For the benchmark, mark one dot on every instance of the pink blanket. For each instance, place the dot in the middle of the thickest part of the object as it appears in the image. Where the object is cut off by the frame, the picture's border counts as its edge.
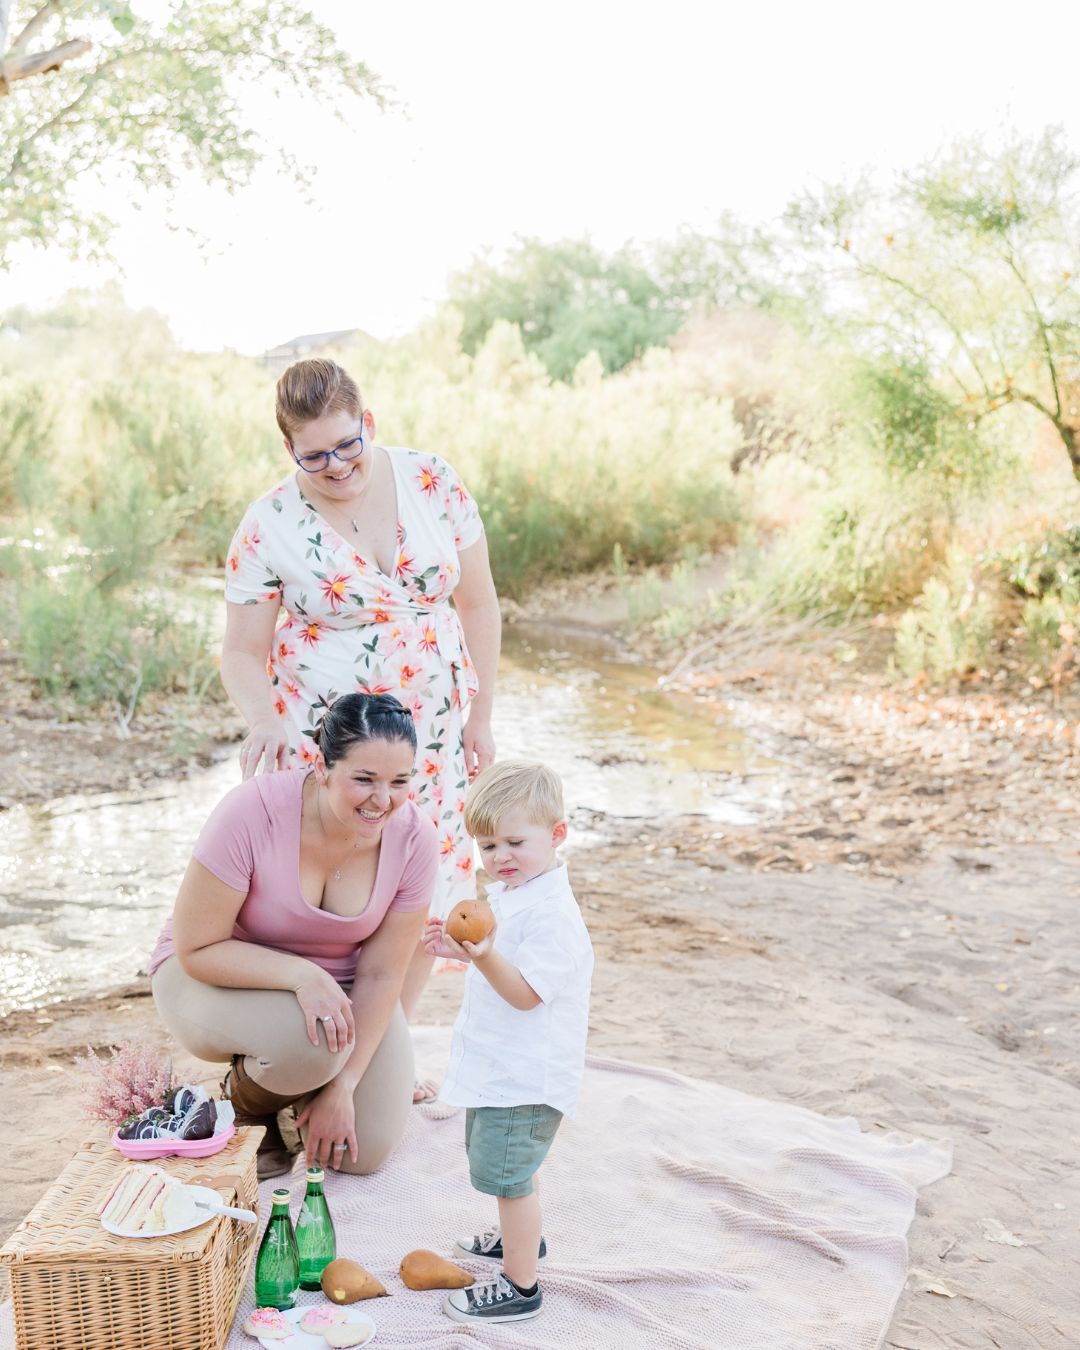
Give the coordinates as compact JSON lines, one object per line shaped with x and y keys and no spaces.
{"x":677,"y":1213}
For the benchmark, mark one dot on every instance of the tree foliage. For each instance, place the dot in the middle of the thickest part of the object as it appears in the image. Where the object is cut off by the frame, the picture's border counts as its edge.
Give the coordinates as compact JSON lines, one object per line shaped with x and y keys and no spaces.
{"x":568,"y":300}
{"x":159,"y":94}
{"x":957,"y":285}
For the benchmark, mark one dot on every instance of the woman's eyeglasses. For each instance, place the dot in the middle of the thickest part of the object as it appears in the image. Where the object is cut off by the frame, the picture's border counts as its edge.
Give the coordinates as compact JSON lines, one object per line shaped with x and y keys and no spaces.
{"x":346,"y":452}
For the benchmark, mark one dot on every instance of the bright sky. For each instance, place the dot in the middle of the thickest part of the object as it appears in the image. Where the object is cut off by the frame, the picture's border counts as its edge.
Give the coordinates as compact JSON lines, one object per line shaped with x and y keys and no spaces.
{"x":558,"y":119}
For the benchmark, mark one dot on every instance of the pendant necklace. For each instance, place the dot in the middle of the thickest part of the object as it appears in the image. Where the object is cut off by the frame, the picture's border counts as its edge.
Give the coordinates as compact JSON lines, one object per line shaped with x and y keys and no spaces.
{"x":318,"y":807}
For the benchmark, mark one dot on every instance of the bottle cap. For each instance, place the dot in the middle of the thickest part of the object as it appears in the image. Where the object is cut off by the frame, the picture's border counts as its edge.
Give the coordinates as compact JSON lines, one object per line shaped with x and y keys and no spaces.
{"x":281,"y":1195}
{"x":314,"y":1174}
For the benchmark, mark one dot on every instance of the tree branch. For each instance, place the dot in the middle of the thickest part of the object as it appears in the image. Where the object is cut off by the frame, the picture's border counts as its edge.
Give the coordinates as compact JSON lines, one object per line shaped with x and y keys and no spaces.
{"x":1043,"y":332}
{"x":24,"y":66}
{"x":887,"y":277}
{"x":33,"y":26}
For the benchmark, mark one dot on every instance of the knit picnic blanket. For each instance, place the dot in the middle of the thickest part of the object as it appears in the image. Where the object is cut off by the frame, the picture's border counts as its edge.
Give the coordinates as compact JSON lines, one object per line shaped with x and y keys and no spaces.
{"x":678,"y":1213}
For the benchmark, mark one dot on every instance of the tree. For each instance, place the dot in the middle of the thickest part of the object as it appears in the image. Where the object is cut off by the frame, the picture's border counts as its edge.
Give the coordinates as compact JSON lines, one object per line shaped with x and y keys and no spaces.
{"x":958,"y":285}
{"x":568,"y":299}
{"x":156,"y":96}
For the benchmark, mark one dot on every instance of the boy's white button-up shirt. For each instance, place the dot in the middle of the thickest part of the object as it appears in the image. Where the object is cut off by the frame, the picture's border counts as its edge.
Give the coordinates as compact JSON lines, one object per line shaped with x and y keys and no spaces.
{"x":503,"y":1056}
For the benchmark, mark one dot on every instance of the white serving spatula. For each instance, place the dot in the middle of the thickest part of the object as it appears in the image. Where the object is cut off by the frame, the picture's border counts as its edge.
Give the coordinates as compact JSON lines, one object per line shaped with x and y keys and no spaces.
{"x":244,"y":1215}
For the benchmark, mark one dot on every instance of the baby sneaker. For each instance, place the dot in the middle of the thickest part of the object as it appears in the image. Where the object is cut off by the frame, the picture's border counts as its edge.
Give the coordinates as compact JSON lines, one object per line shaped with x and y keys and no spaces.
{"x":487,"y":1246}
{"x":497,"y":1300}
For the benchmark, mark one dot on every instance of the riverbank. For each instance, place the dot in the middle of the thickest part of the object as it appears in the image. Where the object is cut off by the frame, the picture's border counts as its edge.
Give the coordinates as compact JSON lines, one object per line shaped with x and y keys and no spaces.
{"x":896,"y":943}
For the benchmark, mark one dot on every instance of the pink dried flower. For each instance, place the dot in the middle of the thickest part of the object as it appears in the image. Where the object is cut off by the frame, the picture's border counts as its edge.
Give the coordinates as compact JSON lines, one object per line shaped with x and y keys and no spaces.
{"x":136,"y":1076}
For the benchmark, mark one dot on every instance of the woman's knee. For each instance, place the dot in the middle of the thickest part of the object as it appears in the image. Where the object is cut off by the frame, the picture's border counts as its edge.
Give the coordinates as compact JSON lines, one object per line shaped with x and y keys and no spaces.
{"x":372,"y":1151}
{"x":295,"y":1066}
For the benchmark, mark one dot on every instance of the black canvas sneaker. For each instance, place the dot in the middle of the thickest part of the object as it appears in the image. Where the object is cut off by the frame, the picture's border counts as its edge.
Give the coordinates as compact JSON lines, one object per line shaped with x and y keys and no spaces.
{"x":487,"y":1246}
{"x":495,"y":1301}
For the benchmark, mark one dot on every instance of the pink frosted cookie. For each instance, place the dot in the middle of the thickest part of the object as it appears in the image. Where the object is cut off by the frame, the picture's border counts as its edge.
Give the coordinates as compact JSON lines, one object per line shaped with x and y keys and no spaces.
{"x":350,"y":1333}
{"x":269,"y":1322}
{"x":320,"y":1319}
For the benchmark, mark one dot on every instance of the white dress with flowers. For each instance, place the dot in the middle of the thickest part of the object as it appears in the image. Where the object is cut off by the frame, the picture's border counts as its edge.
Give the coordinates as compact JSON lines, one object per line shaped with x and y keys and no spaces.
{"x":350,"y":628}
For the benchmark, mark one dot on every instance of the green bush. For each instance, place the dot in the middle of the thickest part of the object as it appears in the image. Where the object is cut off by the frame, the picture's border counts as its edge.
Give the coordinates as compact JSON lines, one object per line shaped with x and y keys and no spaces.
{"x":1047,"y":565}
{"x":564,"y":472}
{"x":947,"y":630}
{"x":83,"y":644}
{"x":1050,"y":625}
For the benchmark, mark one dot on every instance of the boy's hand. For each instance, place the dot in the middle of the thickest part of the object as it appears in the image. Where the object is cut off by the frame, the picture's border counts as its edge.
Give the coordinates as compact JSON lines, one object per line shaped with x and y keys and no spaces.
{"x":476,"y":951}
{"x":436,"y":942}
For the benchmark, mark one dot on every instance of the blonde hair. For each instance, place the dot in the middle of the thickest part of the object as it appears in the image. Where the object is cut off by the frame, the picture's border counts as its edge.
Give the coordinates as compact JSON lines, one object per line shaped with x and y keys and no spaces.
{"x":311,"y":389}
{"x":523,"y":783}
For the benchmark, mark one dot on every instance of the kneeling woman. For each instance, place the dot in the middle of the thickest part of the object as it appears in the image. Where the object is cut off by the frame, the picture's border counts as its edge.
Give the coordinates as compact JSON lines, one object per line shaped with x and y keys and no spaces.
{"x":300,"y":910}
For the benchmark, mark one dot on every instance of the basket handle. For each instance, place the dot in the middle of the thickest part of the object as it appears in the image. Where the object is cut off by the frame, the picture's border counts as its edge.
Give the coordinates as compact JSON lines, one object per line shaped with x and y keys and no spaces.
{"x":231,"y":1181}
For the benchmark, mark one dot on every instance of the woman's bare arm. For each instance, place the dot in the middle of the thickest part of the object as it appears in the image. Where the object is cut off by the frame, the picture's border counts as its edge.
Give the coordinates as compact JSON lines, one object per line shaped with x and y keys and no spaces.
{"x":380,"y":973}
{"x":477,"y":605}
{"x":203,"y":920}
{"x":249,"y":631}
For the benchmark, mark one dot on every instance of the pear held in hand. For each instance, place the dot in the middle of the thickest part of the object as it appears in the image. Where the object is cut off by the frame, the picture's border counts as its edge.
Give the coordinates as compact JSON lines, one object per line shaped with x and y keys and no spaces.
{"x":425,"y":1270}
{"x":470,"y":921}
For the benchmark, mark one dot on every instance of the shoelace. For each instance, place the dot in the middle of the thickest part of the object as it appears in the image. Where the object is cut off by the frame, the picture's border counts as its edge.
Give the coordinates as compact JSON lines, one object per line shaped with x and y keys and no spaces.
{"x":495,"y":1292}
{"x":487,"y":1239}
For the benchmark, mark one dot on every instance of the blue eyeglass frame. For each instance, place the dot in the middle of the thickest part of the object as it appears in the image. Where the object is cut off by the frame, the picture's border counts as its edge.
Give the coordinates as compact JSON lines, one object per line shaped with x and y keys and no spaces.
{"x":324,"y":455}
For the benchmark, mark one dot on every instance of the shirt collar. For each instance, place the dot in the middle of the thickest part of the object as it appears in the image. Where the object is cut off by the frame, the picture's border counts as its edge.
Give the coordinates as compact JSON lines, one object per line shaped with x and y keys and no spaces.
{"x":546,"y":885}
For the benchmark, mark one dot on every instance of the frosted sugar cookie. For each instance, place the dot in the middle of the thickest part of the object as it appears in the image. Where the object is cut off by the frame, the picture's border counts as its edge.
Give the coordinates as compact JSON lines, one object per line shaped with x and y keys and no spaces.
{"x":269,"y":1323}
{"x":318,"y":1320}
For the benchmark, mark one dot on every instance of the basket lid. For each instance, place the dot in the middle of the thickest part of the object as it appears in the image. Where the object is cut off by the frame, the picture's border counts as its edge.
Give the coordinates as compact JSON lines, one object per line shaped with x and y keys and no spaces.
{"x":64,"y":1225}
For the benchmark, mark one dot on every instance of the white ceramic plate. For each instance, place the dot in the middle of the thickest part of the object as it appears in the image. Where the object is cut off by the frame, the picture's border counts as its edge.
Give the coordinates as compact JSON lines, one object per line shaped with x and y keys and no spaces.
{"x":203,"y":1193}
{"x":300,"y":1340}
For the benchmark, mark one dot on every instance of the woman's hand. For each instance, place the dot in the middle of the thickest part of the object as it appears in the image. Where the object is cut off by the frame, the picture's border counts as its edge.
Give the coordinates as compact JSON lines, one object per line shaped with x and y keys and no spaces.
{"x":266,"y":741}
{"x":479,"y":746}
{"x":437,"y":942}
{"x":323,"y":1000}
{"x":330,"y":1120}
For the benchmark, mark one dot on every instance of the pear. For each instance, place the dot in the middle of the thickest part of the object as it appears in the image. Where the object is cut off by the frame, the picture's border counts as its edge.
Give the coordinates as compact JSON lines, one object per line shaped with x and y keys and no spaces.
{"x":424,"y":1270}
{"x":344,"y":1281}
{"x":470,"y":921}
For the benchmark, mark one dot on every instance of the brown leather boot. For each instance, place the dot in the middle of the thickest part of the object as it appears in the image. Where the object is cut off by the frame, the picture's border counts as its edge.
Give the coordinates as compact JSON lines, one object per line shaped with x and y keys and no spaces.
{"x":254,"y":1105}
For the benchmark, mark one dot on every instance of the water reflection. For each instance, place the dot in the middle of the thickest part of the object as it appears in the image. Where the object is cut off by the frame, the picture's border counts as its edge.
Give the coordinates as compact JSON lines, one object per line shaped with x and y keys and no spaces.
{"x":86,"y":882}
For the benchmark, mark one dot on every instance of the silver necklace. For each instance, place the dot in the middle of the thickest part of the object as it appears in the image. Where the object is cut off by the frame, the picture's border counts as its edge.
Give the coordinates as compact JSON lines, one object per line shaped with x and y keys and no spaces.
{"x":318,"y":807}
{"x":322,"y":509}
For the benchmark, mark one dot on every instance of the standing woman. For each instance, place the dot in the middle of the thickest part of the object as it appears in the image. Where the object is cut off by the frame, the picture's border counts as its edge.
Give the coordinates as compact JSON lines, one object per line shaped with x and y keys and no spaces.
{"x":362,"y":546}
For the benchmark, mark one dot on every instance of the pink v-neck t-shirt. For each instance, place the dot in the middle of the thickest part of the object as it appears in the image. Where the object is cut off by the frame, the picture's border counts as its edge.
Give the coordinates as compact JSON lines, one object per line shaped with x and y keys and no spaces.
{"x":252,"y":843}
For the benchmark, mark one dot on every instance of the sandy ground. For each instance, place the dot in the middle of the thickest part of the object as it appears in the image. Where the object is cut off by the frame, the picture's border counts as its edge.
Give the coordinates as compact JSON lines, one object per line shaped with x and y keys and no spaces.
{"x":899,"y":945}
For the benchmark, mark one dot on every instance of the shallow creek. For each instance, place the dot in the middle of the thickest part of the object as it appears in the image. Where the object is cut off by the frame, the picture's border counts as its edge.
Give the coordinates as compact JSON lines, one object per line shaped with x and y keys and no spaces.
{"x":85,"y":882}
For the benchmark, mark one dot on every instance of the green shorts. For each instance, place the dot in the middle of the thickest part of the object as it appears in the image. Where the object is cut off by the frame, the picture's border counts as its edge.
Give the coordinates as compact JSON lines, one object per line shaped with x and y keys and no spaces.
{"x":506,"y":1144}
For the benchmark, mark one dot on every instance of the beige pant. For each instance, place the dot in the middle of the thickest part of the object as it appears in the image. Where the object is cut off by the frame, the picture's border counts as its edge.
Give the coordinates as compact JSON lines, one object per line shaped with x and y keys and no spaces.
{"x":267,"y":1027}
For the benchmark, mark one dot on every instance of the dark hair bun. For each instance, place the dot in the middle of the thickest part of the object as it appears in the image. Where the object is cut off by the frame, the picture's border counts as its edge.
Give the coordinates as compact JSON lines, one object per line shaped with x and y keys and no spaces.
{"x":353,"y":719}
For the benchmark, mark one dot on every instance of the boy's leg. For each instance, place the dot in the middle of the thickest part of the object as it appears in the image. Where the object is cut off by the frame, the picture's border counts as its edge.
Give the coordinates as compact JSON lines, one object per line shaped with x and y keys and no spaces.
{"x":506,"y":1147}
{"x":520,"y":1221}
{"x":487,"y":1246}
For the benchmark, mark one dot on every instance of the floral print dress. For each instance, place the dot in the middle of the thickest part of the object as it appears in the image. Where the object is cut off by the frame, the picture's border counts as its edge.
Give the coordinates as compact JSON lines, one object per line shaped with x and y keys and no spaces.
{"x":348,"y":627}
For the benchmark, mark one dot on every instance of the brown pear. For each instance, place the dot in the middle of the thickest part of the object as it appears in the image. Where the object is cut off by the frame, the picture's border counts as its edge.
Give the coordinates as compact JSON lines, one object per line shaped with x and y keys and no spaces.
{"x":424,"y":1270}
{"x":344,"y":1281}
{"x":470,"y":921}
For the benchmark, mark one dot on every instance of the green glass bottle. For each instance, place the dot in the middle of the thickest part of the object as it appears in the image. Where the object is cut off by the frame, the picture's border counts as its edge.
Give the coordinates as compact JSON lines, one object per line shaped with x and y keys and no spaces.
{"x":277,"y":1266}
{"x":315,"y":1238}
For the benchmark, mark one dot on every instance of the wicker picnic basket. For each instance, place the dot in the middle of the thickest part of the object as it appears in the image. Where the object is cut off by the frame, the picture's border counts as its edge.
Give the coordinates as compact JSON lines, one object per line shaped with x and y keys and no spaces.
{"x":76,"y":1287}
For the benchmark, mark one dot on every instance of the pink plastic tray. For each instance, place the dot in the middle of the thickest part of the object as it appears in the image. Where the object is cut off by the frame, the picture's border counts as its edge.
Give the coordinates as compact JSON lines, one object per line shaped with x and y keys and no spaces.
{"x":142,"y":1149}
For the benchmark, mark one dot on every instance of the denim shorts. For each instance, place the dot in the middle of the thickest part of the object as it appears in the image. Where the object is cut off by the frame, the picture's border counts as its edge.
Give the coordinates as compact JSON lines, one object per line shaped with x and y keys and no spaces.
{"x":506,"y":1144}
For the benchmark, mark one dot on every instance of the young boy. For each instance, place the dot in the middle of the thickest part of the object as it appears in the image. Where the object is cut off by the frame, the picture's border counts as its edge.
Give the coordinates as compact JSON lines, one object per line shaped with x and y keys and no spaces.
{"x":519,"y":1040}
